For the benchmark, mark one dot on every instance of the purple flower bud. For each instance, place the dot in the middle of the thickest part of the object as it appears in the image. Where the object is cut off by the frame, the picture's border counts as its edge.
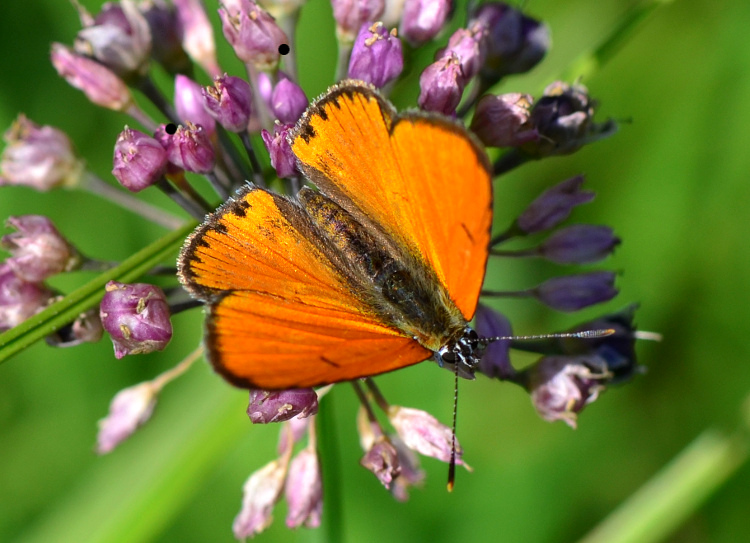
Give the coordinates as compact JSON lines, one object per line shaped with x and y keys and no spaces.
{"x":288,"y":101}
{"x":190,"y":148}
{"x":137,"y":318}
{"x":139,"y":161}
{"x":441,"y":85}
{"x":574,"y":292}
{"x":495,"y":361}
{"x":422,"y":20}
{"x":259,"y":494}
{"x":282,"y":158}
{"x":229,"y":101}
{"x":617,"y":350}
{"x":503,"y":121}
{"x":292,"y":431}
{"x":100,"y":84}
{"x":37,"y":248}
{"x":40,"y":157}
{"x":87,"y":328}
{"x":564,"y":119}
{"x":376,"y":56}
{"x":382,"y":460}
{"x":410,"y":475}
{"x":304,"y":490}
{"x":553,"y":206}
{"x":561,"y":386}
{"x":423,"y":433}
{"x":252,"y":33}
{"x":277,"y":406}
{"x":190,"y":105}
{"x":129,"y":410}
{"x":19,"y":299}
{"x":119,"y":38}
{"x":468,"y":45}
{"x":515,"y":43}
{"x":350,"y":15}
{"x":197,"y":34}
{"x":579,"y":244}
{"x":166,"y":47}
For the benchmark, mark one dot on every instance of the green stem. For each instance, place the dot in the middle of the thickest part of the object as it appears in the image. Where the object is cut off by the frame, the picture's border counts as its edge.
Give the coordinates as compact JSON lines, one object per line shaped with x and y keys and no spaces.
{"x":330,"y":462}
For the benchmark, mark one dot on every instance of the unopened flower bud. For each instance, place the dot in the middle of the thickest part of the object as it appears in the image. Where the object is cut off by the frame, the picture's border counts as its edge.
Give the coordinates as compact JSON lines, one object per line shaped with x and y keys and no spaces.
{"x":441,"y":85}
{"x":423,"y":433}
{"x":288,"y":101}
{"x":137,"y":318}
{"x":503,"y":121}
{"x":382,"y":460}
{"x":376,"y":56}
{"x":252,"y":33}
{"x":468,"y":46}
{"x":350,"y":15}
{"x":259,"y":494}
{"x":574,"y":292}
{"x":87,"y":328}
{"x":553,"y":206}
{"x":38,"y":249}
{"x":190,"y":148}
{"x":40,"y":157}
{"x":282,"y":158}
{"x":410,"y":475}
{"x":564,"y":119}
{"x":579,"y":244}
{"x":139,"y":160}
{"x":561,"y":386}
{"x":515,"y":43}
{"x":422,"y":20}
{"x":19,"y":299}
{"x":277,"y":406}
{"x":304,"y":490}
{"x":190,"y":104}
{"x":164,"y":25}
{"x":119,"y":38}
{"x":495,"y":361}
{"x":197,"y":34}
{"x":229,"y":102}
{"x":129,"y":410}
{"x":100,"y":84}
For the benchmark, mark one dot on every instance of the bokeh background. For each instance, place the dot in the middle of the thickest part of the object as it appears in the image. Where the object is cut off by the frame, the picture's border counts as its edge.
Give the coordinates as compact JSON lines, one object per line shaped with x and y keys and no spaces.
{"x":674,"y":183}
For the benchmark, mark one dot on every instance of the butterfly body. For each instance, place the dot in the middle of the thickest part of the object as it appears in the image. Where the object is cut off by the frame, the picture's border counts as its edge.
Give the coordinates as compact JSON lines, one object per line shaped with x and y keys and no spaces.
{"x":377,"y":269}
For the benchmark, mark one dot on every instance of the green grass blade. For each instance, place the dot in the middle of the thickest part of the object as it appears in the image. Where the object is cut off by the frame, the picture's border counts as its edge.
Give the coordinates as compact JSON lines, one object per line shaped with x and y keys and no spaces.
{"x":87,"y":296}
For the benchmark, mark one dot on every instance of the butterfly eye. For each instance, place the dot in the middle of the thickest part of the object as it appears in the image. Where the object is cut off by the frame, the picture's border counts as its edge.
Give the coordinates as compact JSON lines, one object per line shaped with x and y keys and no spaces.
{"x":449,"y":357}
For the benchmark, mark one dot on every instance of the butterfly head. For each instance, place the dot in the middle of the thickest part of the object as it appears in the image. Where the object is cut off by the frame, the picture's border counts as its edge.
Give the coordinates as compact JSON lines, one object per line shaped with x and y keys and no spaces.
{"x":462,"y":354}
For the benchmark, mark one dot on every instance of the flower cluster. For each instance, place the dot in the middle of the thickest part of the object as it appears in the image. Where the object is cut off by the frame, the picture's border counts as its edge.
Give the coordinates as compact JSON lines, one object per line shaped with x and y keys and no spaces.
{"x":111,"y":62}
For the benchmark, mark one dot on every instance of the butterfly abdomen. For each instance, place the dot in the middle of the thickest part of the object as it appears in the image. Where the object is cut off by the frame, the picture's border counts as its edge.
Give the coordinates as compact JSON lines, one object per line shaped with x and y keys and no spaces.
{"x":405,"y":295}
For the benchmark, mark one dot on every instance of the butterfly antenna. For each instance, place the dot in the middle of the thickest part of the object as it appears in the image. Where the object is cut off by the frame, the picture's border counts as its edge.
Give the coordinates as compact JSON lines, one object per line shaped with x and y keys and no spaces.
{"x":452,"y":463}
{"x":585,"y":334}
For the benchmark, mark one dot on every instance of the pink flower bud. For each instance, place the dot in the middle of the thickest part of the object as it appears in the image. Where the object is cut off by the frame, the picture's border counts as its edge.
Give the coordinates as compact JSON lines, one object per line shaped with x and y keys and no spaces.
{"x":40,"y":157}
{"x":137,"y":318}
{"x":282,"y":158}
{"x":504,"y":120}
{"x":37,"y":248}
{"x":382,"y":460}
{"x":129,"y":410}
{"x":288,"y":101}
{"x":259,"y":494}
{"x":229,"y":102}
{"x":190,"y":148}
{"x":19,"y":299}
{"x":252,"y":33}
{"x":350,"y":15}
{"x":376,"y":56}
{"x":441,"y":85}
{"x":119,"y":38}
{"x":166,"y":47}
{"x":277,"y":406}
{"x":139,"y":161}
{"x":86,"y":328}
{"x":304,"y":490}
{"x":100,"y":84}
{"x":197,"y":34}
{"x":423,"y":433}
{"x":553,"y":206}
{"x":422,"y":20}
{"x":190,"y":105}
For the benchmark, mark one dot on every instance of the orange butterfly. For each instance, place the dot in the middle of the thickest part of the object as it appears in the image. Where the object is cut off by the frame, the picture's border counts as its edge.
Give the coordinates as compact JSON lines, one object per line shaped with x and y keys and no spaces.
{"x":378,"y":269}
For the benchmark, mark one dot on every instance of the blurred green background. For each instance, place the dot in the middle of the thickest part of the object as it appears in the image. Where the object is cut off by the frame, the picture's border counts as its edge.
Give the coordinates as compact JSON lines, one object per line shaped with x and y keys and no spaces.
{"x":673,"y":183}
